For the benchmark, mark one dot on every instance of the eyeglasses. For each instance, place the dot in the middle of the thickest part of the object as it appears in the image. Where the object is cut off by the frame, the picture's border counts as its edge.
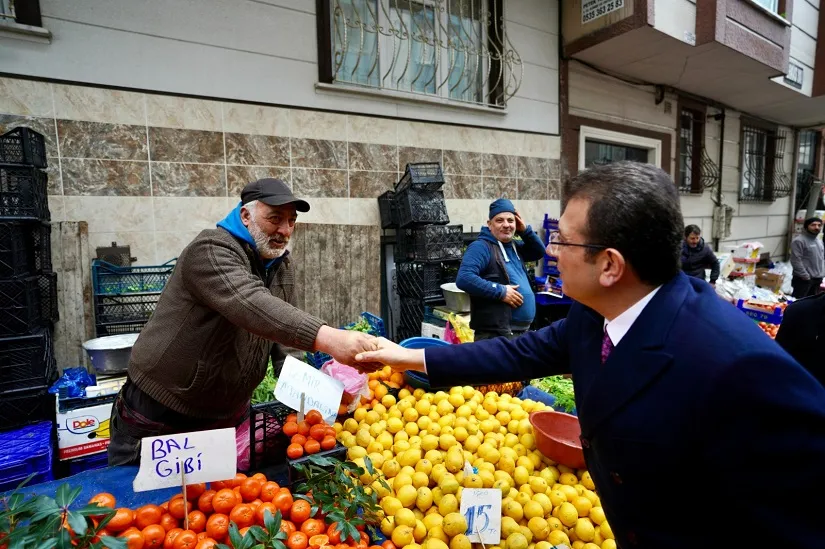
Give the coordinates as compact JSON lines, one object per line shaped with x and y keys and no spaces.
{"x":555,"y":243}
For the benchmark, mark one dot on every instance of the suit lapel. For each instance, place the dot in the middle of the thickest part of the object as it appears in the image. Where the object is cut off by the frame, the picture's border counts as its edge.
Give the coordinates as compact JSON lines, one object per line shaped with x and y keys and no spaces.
{"x":636,"y":362}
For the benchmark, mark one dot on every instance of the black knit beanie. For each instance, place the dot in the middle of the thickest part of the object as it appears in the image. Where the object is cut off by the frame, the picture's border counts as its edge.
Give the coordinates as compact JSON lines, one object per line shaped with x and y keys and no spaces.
{"x":812,"y":220}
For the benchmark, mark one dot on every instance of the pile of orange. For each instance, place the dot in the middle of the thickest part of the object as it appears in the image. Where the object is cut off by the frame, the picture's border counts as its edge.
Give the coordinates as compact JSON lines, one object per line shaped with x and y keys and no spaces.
{"x":770,"y":329}
{"x":380,"y":382}
{"x":309,"y":436}
{"x":242,"y":500}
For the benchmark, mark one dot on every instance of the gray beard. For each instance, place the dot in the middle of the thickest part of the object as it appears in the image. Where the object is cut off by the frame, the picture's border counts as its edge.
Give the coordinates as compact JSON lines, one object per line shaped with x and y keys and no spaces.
{"x":265,"y":250}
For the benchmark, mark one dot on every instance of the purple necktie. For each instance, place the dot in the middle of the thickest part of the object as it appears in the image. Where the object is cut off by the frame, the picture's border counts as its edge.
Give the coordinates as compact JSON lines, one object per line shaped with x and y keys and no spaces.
{"x":607,"y":346}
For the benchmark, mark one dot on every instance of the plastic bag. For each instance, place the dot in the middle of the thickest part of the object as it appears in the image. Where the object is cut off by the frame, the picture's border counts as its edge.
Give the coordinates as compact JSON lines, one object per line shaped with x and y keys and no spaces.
{"x":356,"y":384}
{"x":450,"y":335}
{"x":242,"y":445}
{"x":462,"y":328}
{"x":74,"y":382}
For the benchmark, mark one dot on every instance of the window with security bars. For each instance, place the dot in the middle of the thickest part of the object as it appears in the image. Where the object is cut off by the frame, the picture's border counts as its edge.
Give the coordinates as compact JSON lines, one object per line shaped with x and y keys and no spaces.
{"x":598,"y":153}
{"x":6,"y":10}
{"x":763,"y":175}
{"x":456,"y":50}
{"x":696,"y":171}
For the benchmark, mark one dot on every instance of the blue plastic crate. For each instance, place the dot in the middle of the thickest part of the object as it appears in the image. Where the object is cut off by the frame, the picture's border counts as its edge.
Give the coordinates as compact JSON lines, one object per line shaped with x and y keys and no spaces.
{"x":108,"y":279}
{"x":26,"y":451}
{"x":88,"y":463}
{"x":318,"y":359}
{"x":761,"y":316}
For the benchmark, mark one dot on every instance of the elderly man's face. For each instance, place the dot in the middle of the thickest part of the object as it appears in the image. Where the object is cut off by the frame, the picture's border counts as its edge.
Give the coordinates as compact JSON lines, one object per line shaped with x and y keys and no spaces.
{"x":503,"y":226}
{"x":270,"y":227}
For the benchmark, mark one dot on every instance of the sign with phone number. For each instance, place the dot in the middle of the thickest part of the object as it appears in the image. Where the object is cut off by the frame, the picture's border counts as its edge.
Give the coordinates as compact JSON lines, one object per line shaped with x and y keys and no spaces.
{"x":593,"y":9}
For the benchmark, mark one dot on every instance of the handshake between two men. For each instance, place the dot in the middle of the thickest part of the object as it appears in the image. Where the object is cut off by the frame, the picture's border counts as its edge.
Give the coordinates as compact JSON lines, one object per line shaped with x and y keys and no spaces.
{"x":366,"y":352}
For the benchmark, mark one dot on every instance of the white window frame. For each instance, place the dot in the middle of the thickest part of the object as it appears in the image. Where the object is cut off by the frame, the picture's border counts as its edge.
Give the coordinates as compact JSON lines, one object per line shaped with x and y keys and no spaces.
{"x":770,"y":5}
{"x":653,"y":146}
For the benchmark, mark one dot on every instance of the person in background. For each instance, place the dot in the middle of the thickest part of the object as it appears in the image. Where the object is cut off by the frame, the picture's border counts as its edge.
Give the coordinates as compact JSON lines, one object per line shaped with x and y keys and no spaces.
{"x":802,"y":334}
{"x":654,"y":406}
{"x":493,"y":273}
{"x":697,"y":256}
{"x":808,"y":259}
{"x":227,"y":307}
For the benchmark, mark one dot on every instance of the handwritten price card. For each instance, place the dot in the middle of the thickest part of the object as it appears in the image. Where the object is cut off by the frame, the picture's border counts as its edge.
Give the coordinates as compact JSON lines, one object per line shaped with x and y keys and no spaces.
{"x":201,"y":456}
{"x":321,"y":392}
{"x":482,"y":509}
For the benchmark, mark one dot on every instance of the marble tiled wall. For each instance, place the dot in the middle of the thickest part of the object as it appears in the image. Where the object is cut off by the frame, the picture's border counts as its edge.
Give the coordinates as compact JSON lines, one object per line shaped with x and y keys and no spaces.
{"x":153,"y":170}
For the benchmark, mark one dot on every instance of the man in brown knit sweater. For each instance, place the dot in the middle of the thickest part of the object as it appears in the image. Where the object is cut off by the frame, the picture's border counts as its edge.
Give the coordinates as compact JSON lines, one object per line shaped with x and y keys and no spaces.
{"x":207,"y":345}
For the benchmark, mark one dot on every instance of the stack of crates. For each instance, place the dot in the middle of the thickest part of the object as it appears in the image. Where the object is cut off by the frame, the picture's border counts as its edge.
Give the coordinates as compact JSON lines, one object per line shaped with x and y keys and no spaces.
{"x":427,"y":250}
{"x":125,"y":297}
{"x":28,"y":287}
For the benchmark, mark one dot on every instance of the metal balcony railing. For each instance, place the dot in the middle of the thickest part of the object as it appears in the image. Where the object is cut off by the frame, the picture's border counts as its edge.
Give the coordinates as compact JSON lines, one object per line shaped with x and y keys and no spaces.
{"x":6,"y":10}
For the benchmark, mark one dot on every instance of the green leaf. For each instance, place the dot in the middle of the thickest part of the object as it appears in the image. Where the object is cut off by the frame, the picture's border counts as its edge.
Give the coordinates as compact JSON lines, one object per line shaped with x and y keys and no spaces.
{"x":93,"y":509}
{"x":63,"y":493}
{"x":321,"y":461}
{"x":44,"y":507}
{"x":368,"y":465}
{"x":272,"y":524}
{"x":278,"y":545}
{"x":64,"y":538}
{"x":223,"y":546}
{"x":114,"y":543}
{"x":257,"y":532}
{"x":234,"y":535}
{"x":77,"y":522}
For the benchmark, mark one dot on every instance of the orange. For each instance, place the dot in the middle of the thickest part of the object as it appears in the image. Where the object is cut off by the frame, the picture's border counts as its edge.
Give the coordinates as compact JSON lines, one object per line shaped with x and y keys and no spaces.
{"x":313,"y":417}
{"x":133,"y":537}
{"x":288,"y":527}
{"x":334,"y":534}
{"x":217,"y":526}
{"x":388,"y":545}
{"x":317,"y":432}
{"x":303,"y":428}
{"x":194,"y":491}
{"x":178,"y":507}
{"x":261,"y":477}
{"x":294,"y":451}
{"x":297,"y":540}
{"x":218,"y":485}
{"x":290,"y":428}
{"x":205,"y":502}
{"x":103,"y":499}
{"x":268,"y":491}
{"x":122,"y":520}
{"x":312,"y":446}
{"x":187,"y":539}
{"x":171,"y":535}
{"x":300,"y":511}
{"x":243,"y":515}
{"x":207,"y":543}
{"x":283,"y":502}
{"x":298,"y":439}
{"x":168,"y":522}
{"x":224,"y":501}
{"x":146,"y":515}
{"x":153,"y":536}
{"x":292,"y":417}
{"x":261,"y":510}
{"x":197,"y":521}
{"x":319,"y":540}
{"x":328,"y":442}
{"x":250,"y":489}
{"x":313,"y":527}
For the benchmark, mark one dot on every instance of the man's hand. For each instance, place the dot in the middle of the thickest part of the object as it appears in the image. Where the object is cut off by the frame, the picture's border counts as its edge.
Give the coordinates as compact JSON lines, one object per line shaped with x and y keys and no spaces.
{"x":393,"y":355}
{"x":343,"y":345}
{"x":513,"y":298}
{"x":521,"y":226}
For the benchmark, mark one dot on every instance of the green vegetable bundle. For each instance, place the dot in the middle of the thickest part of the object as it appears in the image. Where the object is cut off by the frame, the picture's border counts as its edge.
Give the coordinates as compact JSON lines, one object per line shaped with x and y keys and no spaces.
{"x":561,"y":388}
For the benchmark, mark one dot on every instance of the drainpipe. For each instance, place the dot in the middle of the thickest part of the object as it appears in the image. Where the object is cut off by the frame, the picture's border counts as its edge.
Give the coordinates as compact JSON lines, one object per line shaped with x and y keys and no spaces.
{"x":716,"y":241}
{"x":792,"y":206}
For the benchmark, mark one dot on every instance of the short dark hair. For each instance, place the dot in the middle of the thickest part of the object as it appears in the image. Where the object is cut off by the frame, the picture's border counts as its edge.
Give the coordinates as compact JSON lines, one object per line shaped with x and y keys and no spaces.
{"x":692,"y":229}
{"x":634,"y":208}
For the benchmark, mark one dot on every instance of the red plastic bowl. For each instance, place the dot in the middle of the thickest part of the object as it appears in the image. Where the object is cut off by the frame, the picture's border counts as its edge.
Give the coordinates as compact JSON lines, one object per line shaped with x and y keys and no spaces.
{"x":558,"y":437}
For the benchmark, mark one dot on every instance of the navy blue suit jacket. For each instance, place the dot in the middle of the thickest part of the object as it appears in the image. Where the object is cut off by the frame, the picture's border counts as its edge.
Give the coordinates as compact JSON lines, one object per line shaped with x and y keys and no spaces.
{"x":696,"y":418}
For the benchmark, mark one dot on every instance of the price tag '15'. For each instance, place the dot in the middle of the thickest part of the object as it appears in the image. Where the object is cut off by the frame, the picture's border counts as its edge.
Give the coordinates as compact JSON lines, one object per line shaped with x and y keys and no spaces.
{"x":481,"y":508}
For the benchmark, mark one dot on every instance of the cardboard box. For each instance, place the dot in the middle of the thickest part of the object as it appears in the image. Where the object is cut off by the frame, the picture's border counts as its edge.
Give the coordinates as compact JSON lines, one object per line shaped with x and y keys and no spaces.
{"x":741,"y":269}
{"x":749,"y":250}
{"x":431,"y":330}
{"x":725,"y":265}
{"x":84,"y":430}
{"x":768,"y":280}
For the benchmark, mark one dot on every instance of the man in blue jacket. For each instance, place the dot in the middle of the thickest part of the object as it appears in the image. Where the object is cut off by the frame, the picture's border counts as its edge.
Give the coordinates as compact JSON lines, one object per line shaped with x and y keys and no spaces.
{"x":683,"y":402}
{"x":493,"y":273}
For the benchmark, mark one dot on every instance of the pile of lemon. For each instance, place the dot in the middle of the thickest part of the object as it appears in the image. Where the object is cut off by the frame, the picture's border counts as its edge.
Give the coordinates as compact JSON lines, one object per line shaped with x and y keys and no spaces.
{"x":419,"y":445}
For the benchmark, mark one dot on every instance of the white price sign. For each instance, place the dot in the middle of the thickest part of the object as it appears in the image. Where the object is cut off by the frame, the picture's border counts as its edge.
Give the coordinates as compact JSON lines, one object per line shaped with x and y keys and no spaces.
{"x":202,"y":456}
{"x":320,"y":391}
{"x":481,"y":508}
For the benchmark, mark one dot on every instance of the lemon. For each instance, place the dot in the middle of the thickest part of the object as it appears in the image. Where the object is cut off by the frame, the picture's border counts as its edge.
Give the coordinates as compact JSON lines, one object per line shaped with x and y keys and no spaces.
{"x":434,"y":456}
{"x":454,"y":524}
{"x":351,"y":425}
{"x":434,"y":542}
{"x":532,"y":510}
{"x":508,"y":526}
{"x":419,"y":531}
{"x":374,"y":447}
{"x":577,"y":543}
{"x":606,"y":531}
{"x":557,"y":537}
{"x":405,"y":517}
{"x":420,"y":479}
{"x":538,"y":485}
{"x":472,"y":443}
{"x":391,"y":506}
{"x":513,"y":509}
{"x":399,"y":448}
{"x":539,"y":527}
{"x":454,"y":461}
{"x":356,"y":452}
{"x":523,"y":497}
{"x":584,"y":530}
{"x":431,"y":520}
{"x":569,"y":479}
{"x":516,"y":541}
{"x":524,"y":461}
{"x":555,"y":524}
{"x":438,"y":472}
{"x":447,"y":505}
{"x":387,"y":525}
{"x":587,"y":481}
{"x":385,"y":440}
{"x":377,"y":459}
{"x":525,"y":531}
{"x":437,"y":533}
{"x":429,"y":442}
{"x":424,"y":422}
{"x":598,"y":539}
{"x":597,"y":515}
{"x":407,"y":495}
{"x":591,"y":495}
{"x":569,"y":492}
{"x":502,"y":485}
{"x":402,"y":479}
{"x":461,"y":541}
{"x":528,"y":440}
{"x":444,"y":407}
{"x":363,"y":437}
{"x":410,"y":457}
{"x":544,"y":501}
{"x":474,"y":481}
{"x":521,"y":475}
{"x":445,"y":442}
{"x":422,"y":407}
{"x":582,"y":505}
{"x":490,"y":406}
{"x":424,"y":498}
{"x":391,"y":468}
{"x":412,"y":430}
{"x":372,"y":417}
{"x":402,"y":535}
{"x":608,"y":544}
{"x":568,"y":514}
{"x":543,"y":545}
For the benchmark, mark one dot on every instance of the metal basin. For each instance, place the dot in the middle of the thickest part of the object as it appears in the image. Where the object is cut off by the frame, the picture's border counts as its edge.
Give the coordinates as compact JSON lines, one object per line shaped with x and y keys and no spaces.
{"x":457,"y":300}
{"x":110,"y":354}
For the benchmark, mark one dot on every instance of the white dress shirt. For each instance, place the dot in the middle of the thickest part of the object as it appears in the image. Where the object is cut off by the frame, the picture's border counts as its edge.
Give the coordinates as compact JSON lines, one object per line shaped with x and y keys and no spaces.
{"x":619,"y":326}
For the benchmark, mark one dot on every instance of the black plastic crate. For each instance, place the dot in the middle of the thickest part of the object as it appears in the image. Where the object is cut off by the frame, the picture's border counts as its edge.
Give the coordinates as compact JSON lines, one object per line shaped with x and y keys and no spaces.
{"x":27,"y":406}
{"x":23,"y":146}
{"x":420,"y":280}
{"x":267,"y":441}
{"x":25,"y":248}
{"x":125,"y":308}
{"x":339,"y":452}
{"x":117,"y":328}
{"x":108,"y":279}
{"x":424,"y":176}
{"x":417,"y":208}
{"x":388,"y":210}
{"x":412,"y":315}
{"x":20,"y":307}
{"x":23,"y":193}
{"x":47,"y":282}
{"x":27,"y":361}
{"x":430,"y":243}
